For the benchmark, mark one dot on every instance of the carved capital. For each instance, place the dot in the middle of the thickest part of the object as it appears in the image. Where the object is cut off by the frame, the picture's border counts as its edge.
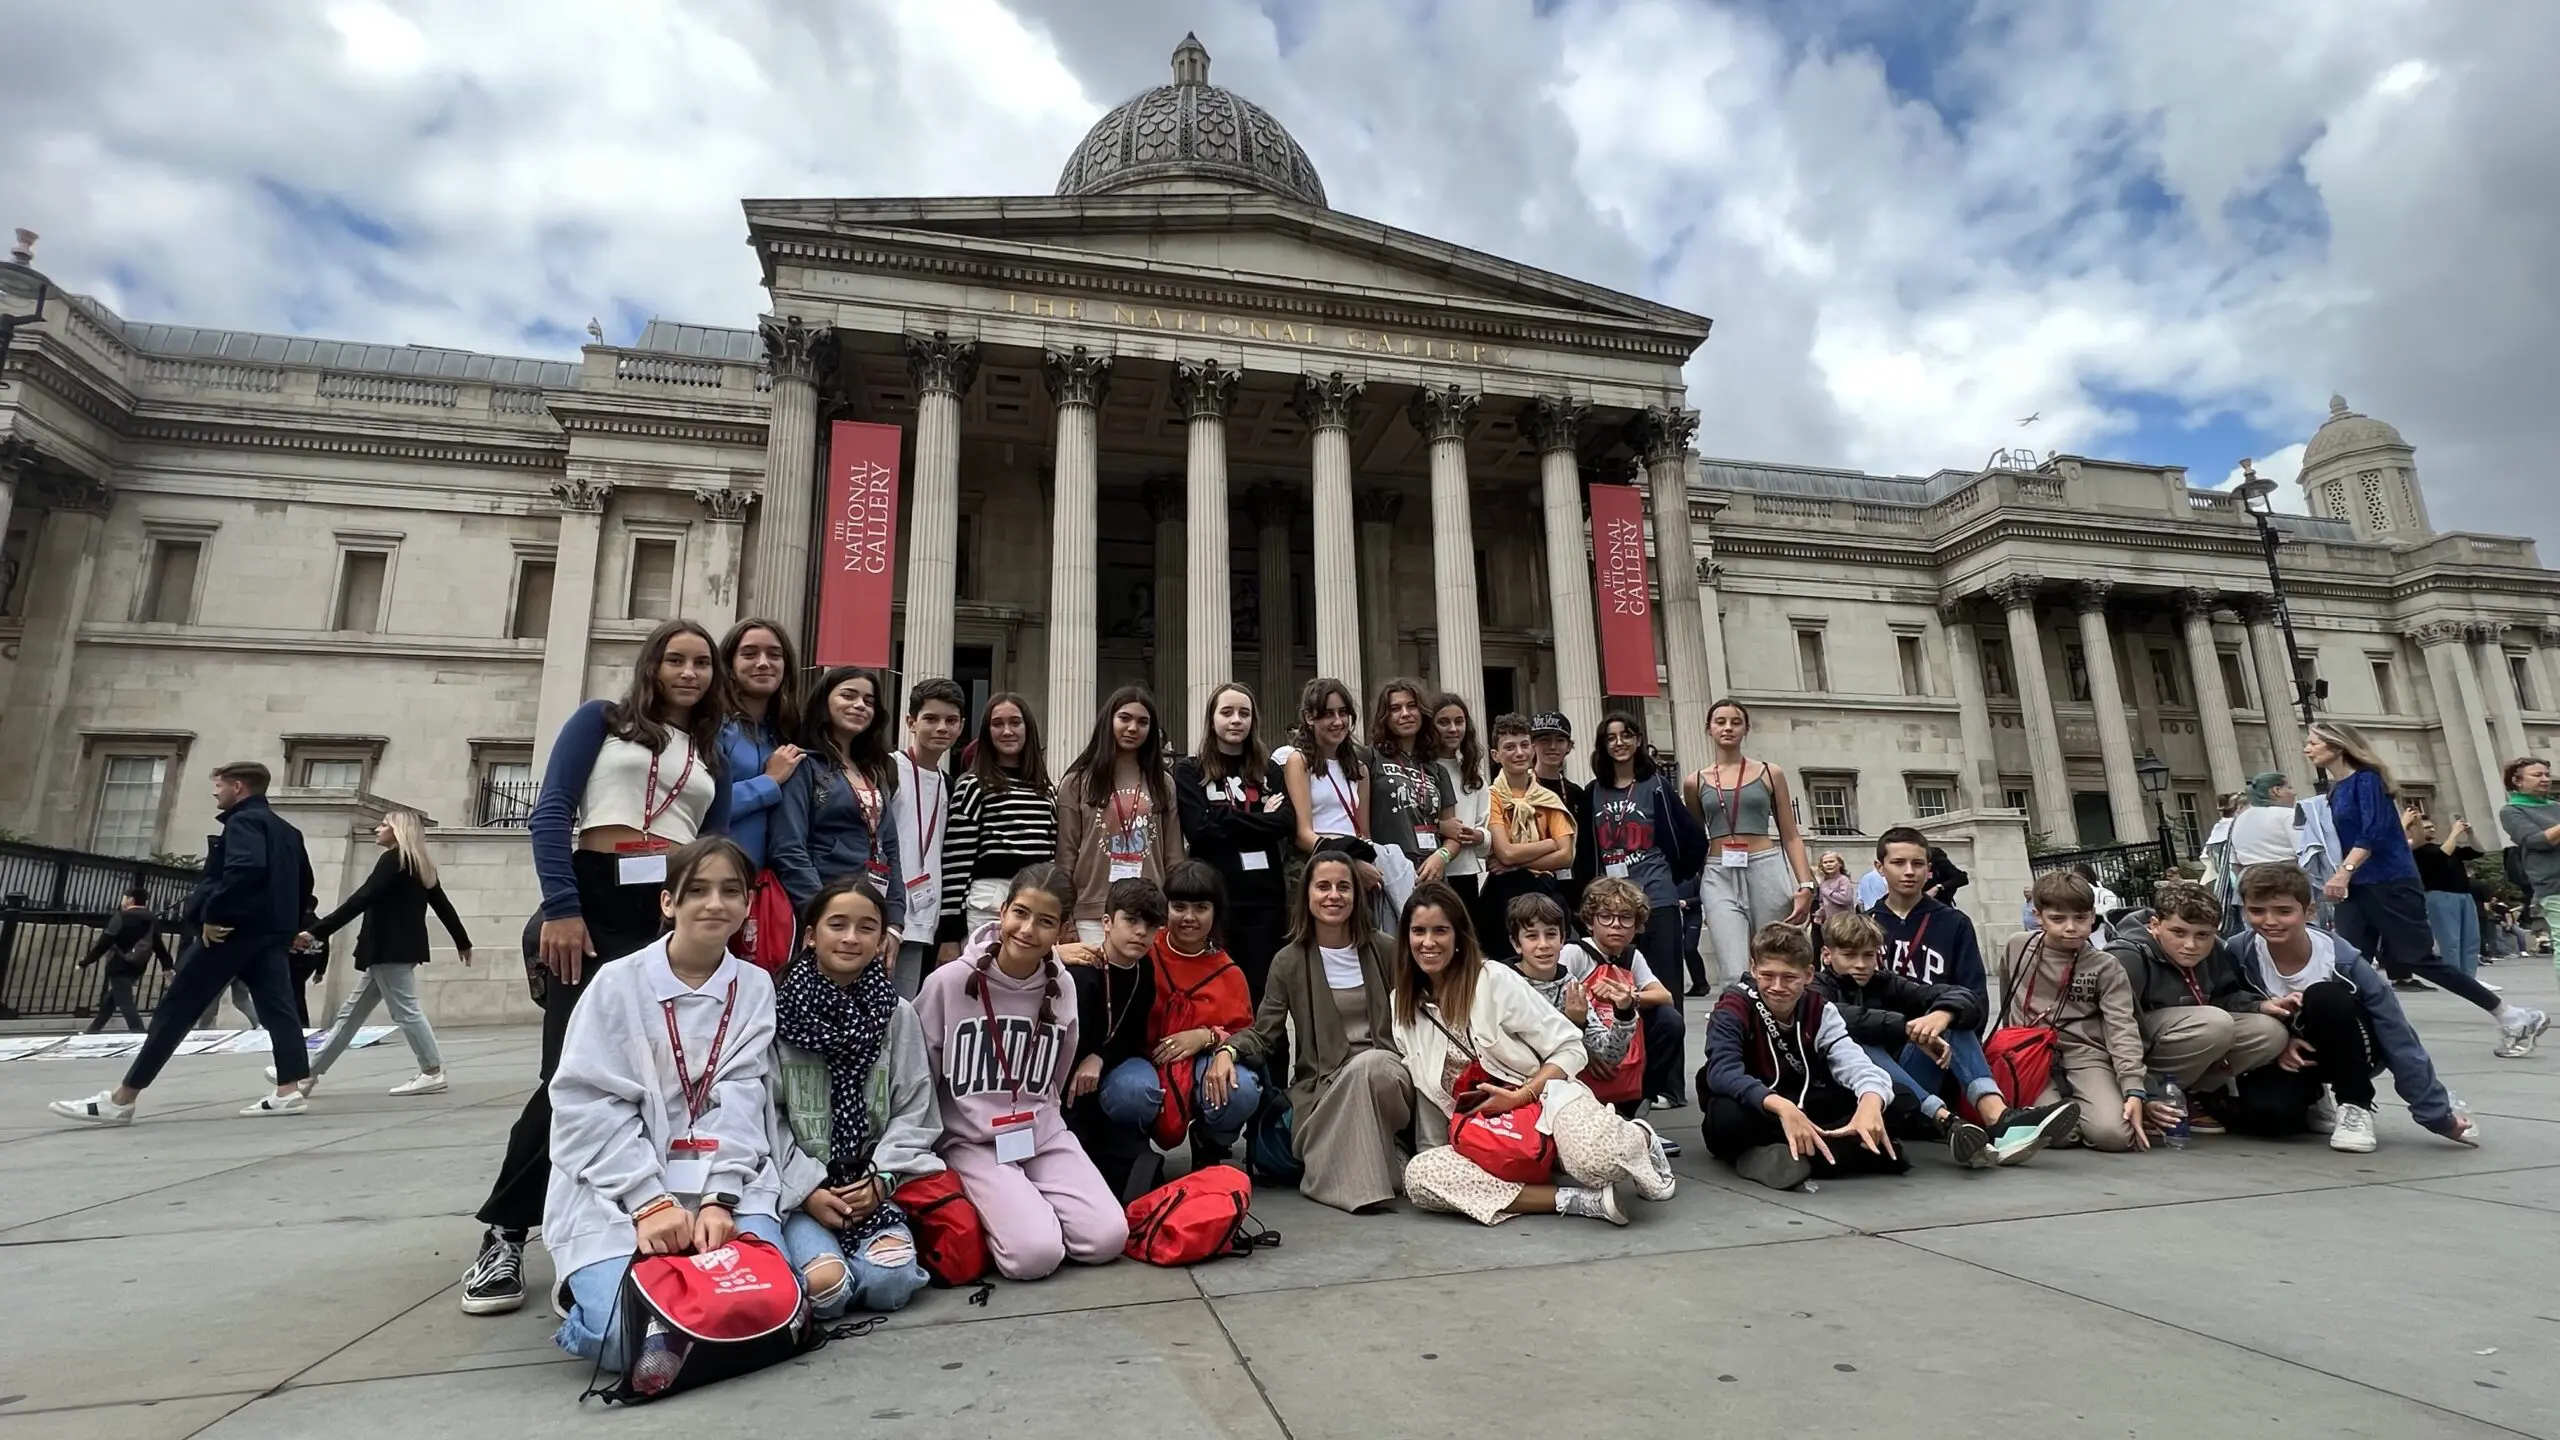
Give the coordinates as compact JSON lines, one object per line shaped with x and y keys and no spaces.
{"x":1554,"y":424}
{"x":796,"y":349}
{"x":17,"y":458}
{"x":2437,"y":632}
{"x":2090,"y":596}
{"x":2015,"y":592}
{"x":1326,"y":402}
{"x":1272,"y":505}
{"x":61,"y":490}
{"x":2198,"y":604}
{"x":2257,"y":608}
{"x":583,"y":496}
{"x":1377,"y":506}
{"x":726,"y":504}
{"x":2486,"y":632}
{"x":1076,"y":377}
{"x":2548,"y":636}
{"x":1710,"y":574}
{"x":1164,"y":499}
{"x":1661,"y":433}
{"x":938,"y":362}
{"x":1954,"y":610}
{"x":1204,"y":389}
{"x":1442,"y":412}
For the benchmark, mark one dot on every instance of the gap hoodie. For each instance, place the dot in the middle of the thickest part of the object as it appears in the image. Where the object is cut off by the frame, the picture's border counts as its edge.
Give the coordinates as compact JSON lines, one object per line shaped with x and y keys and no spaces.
{"x":971,"y":1057}
{"x":1935,"y":945}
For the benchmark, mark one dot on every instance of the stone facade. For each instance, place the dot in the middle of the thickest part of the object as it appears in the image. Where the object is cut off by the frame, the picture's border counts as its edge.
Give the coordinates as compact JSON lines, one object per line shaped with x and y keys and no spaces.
{"x":1277,"y":441}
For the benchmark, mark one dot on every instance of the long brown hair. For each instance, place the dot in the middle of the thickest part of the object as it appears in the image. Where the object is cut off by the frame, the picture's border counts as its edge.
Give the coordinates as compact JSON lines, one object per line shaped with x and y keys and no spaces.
{"x":1303,"y":735}
{"x":1096,"y":768}
{"x":983,"y":762}
{"x":640,"y":716}
{"x":868,"y":750}
{"x":1213,"y":757}
{"x":2359,"y":752}
{"x":1470,"y":756}
{"x":782,"y":712}
{"x":1455,"y":993}
{"x":1302,"y":916}
{"x":1382,"y":739}
{"x":1055,"y":883}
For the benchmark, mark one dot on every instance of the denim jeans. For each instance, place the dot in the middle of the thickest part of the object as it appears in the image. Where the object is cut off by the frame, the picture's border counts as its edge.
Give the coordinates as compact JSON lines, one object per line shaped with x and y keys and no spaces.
{"x":2455,"y":921}
{"x":1132,"y":1093}
{"x":871,"y":1284}
{"x":395,"y":984}
{"x":593,"y":1327}
{"x":1966,"y":1065}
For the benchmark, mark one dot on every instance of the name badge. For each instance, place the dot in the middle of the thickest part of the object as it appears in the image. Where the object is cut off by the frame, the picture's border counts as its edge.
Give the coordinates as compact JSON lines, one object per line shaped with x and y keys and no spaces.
{"x":1013,"y":1138}
{"x":1127,"y":869}
{"x":648,"y":869}
{"x":1618,"y":869}
{"x":688,"y":1168}
{"x":1426,"y":837}
{"x":922,"y":897}
{"x":1736,"y":858}
{"x":1254,"y":860}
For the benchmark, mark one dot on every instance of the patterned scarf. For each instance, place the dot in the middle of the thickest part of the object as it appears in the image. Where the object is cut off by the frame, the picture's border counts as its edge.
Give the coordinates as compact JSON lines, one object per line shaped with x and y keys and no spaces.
{"x":850,"y":1029}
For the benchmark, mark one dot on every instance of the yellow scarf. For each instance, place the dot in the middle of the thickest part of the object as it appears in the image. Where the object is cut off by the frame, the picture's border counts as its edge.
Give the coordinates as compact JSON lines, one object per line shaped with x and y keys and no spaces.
{"x":1516,"y":811}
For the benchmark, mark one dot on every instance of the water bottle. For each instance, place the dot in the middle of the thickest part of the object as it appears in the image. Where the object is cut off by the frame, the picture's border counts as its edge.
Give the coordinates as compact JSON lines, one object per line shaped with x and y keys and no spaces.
{"x":2175,"y":1097}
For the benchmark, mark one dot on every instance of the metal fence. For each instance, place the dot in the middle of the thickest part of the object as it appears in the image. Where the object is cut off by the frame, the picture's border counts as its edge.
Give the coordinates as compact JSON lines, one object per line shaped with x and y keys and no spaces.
{"x":2128,"y":870}
{"x":53,"y":903}
{"x":505,"y":802}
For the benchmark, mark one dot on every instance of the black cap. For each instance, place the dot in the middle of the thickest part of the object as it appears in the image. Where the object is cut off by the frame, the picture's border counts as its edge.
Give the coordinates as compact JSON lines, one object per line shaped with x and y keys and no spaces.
{"x":1550,"y":722}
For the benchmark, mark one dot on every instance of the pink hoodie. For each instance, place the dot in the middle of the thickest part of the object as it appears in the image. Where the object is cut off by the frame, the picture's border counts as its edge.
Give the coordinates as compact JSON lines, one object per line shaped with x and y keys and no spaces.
{"x":971,"y":1076}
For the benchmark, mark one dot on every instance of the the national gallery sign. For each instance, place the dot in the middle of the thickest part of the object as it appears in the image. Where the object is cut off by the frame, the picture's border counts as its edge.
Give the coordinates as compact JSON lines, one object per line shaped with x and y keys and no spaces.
{"x":1308,"y":333}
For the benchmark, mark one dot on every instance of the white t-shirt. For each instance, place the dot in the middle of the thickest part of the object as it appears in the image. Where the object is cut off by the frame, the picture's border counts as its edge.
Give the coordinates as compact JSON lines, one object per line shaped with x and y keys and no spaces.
{"x":1330,"y":795}
{"x":2323,"y":966}
{"x":2262,"y":835}
{"x":1473,"y":807}
{"x":922,"y":812}
{"x":1342,"y":967}
{"x":1578,"y":962}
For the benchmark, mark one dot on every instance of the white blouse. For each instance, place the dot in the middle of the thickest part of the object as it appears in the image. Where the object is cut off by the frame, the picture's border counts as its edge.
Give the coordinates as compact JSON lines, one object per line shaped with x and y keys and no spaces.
{"x":1513,"y":1031}
{"x":670,"y":806}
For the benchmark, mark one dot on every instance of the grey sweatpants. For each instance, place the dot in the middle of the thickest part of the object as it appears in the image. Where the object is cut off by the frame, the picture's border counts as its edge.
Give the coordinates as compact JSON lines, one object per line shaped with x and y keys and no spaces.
{"x":1738,"y":901}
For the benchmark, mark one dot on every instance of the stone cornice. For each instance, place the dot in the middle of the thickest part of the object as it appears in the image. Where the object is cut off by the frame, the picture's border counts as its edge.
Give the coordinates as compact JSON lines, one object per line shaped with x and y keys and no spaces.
{"x":386,"y":447}
{"x":301,"y":643}
{"x":701,"y":430}
{"x":71,"y":379}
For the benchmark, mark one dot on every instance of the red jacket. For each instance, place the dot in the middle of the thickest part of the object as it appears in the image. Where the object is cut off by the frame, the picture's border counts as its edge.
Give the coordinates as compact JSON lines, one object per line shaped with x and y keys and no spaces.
{"x":1193,"y":991}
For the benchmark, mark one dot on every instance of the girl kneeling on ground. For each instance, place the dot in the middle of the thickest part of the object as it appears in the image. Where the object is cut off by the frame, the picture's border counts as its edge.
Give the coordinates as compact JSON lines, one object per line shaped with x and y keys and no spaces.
{"x":1452,"y":1008}
{"x":1000,"y":1023}
{"x":853,"y":1088}
{"x":659,"y":1140}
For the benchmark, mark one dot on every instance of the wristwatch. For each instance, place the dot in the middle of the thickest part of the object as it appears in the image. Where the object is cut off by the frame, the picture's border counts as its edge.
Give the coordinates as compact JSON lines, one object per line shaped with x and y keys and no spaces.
{"x":723,"y":1199}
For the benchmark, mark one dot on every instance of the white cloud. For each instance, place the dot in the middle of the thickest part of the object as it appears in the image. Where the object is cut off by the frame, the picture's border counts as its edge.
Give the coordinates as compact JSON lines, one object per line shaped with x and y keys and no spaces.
{"x":2283,"y":467}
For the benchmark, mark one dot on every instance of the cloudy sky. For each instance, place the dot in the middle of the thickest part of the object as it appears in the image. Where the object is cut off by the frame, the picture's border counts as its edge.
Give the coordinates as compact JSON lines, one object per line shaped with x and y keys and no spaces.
{"x":2170,"y":227}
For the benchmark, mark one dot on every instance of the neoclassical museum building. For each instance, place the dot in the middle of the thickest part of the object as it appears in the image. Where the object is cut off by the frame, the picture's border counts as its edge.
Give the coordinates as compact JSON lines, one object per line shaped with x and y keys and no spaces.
{"x":1179,"y":422}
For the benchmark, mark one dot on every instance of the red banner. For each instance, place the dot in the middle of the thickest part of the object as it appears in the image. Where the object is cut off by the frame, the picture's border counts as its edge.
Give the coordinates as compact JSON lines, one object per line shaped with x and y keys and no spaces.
{"x":858,"y":546}
{"x":1625,"y":604}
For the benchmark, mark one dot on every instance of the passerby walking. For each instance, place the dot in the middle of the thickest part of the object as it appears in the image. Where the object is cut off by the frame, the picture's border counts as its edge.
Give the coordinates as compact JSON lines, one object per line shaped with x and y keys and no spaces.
{"x":394,"y":901}
{"x":128,"y":945}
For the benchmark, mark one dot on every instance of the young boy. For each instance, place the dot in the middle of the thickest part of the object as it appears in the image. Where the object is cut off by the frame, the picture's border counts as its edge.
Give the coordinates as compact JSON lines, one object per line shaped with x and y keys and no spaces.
{"x":1614,"y":913}
{"x":1115,"y":994}
{"x":1925,"y":940}
{"x":1530,"y":831}
{"x":922,"y":811}
{"x":2346,"y":1025}
{"x":2054,"y":976}
{"x":1911,"y":1029}
{"x":1200,"y":999}
{"x":2203,"y":1020}
{"x":1563,"y":975}
{"x":1788,"y":1095}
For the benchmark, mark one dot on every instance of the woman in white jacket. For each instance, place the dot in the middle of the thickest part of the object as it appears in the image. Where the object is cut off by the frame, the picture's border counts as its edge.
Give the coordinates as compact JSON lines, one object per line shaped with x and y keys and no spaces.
{"x":1452,"y":1008}
{"x":659,"y":1107}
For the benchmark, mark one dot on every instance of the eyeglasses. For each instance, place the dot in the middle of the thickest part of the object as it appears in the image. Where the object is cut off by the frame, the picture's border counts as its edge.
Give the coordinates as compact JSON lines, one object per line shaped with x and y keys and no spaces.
{"x":1617,"y":917}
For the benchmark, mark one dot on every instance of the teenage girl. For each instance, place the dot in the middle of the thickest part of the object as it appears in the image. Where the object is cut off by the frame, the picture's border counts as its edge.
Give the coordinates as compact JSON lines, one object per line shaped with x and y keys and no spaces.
{"x":659,"y":1127}
{"x":764,"y":713}
{"x":628,"y":782}
{"x":1116,"y":816}
{"x":853,"y":1088}
{"x":394,"y":901}
{"x":1004,"y":815}
{"x":1640,"y":832}
{"x":1235,"y":817}
{"x":1000,"y":1023}
{"x":1328,"y":787}
{"x":833,"y":822}
{"x":1466,"y":796}
{"x":1757,"y":871}
{"x":1405,"y":797}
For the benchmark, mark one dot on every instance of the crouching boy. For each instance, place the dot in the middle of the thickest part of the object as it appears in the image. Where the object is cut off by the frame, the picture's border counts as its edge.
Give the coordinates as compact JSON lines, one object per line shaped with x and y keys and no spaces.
{"x":2052,"y":976}
{"x":2203,"y":1019}
{"x":1788,"y":1095}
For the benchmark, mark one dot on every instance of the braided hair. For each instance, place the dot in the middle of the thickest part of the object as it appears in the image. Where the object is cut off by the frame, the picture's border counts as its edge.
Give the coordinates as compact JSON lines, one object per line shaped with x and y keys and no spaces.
{"x":1054,"y":882}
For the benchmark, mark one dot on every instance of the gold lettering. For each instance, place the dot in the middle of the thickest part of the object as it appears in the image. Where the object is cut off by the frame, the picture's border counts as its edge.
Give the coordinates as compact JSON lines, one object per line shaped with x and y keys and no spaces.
{"x":1155,"y":319}
{"x":1044,"y":306}
{"x":1408,"y":344}
{"x":1010,"y":306}
{"x":1501,"y":356}
{"x":1075,"y":309}
{"x":1229,"y":325}
{"x":1289,"y":332}
{"x":1258,"y":330}
{"x":1476,"y":355}
{"x":1355,"y":340}
{"x":1122,"y":314}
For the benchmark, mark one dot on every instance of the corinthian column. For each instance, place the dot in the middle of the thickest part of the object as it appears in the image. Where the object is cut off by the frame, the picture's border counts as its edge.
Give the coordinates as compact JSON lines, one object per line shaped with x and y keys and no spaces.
{"x":1377,"y":511}
{"x":1077,"y":382}
{"x":1980,"y":770}
{"x":1204,"y":390}
{"x":726,"y":509}
{"x":2213,"y":706}
{"x":1661,"y":435}
{"x":1555,"y":426}
{"x":1443,"y":415}
{"x":573,"y":608}
{"x":2016,"y":596}
{"x":1711,"y":624}
{"x":943,"y":369}
{"x":1326,"y":406}
{"x":2457,"y":694}
{"x":2506,"y":713}
{"x":1164,"y":506}
{"x":1272,"y":505}
{"x":778,"y":576}
{"x":2106,"y":697}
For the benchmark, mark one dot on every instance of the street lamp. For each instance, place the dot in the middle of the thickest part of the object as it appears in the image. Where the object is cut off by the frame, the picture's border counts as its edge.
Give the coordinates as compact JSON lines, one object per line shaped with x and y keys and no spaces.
{"x":2154,"y":774}
{"x":2257,"y":496}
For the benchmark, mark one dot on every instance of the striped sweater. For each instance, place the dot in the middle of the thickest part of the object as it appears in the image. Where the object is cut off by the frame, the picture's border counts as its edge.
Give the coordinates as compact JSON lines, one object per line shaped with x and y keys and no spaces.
{"x":991,"y":837}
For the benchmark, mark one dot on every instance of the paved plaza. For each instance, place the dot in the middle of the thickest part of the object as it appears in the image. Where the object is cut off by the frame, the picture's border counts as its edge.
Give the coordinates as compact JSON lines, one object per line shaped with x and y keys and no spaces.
{"x":203,"y":1275}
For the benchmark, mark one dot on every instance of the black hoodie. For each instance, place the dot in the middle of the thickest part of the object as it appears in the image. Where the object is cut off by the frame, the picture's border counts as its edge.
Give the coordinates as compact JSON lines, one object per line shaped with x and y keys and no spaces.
{"x":1877,"y":1011}
{"x":2219,"y":979}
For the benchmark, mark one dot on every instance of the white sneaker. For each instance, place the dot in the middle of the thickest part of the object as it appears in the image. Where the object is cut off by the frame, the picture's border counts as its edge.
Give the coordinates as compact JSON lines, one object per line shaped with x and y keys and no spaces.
{"x":424,"y":1084}
{"x":2324,"y":1113}
{"x":2516,"y":1038}
{"x":292,"y":1104}
{"x":98,"y":1109}
{"x":1655,"y":1179}
{"x":2354,"y":1134}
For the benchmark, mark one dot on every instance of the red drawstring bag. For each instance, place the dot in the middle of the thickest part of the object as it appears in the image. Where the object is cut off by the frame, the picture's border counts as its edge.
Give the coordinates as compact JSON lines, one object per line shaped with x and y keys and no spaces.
{"x":729,"y":1311}
{"x":2022,"y":1055}
{"x":1508,"y":1146}
{"x":1611,"y":1084}
{"x":765,"y":940}
{"x":1175,"y":1011}
{"x":1201,"y":1216}
{"x":951,"y":1237}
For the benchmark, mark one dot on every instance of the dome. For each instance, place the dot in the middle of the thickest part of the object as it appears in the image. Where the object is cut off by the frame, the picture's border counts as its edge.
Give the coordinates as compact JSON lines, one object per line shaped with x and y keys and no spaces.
{"x":2346,"y":432}
{"x":1190,"y":130}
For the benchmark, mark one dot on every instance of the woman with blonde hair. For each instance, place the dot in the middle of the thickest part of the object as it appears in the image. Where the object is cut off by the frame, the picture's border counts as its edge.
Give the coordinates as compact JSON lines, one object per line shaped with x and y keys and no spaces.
{"x":390,"y":947}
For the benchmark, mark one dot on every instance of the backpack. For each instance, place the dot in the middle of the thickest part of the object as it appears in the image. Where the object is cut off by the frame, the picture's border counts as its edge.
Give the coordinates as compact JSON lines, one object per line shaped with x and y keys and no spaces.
{"x":1178,"y":1010}
{"x":2022,"y":1056}
{"x":951,"y":1237}
{"x":1610,"y":1084}
{"x":1270,"y":1143}
{"x":723,"y":1313}
{"x":765,"y":940}
{"x":1508,"y":1146}
{"x":1199,"y":1217}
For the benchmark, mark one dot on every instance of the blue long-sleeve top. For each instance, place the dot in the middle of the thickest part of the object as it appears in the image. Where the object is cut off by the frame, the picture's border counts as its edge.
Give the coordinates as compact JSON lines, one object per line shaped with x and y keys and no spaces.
{"x":553,"y":825}
{"x":2366,"y":819}
{"x":819,"y":833}
{"x":752,"y":793}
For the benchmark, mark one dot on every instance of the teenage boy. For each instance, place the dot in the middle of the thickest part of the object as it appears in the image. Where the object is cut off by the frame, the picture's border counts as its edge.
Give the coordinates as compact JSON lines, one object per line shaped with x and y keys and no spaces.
{"x":1613,"y":915}
{"x":1924,"y":939}
{"x":1551,"y":740}
{"x":1115,"y":994}
{"x":2346,"y":1025}
{"x":2203,"y":1019}
{"x":1911,"y":1029}
{"x":2054,"y":977}
{"x":1562,"y":976}
{"x":936,"y":710}
{"x":1529,"y":829}
{"x":129,"y":944}
{"x":1789,"y":1096}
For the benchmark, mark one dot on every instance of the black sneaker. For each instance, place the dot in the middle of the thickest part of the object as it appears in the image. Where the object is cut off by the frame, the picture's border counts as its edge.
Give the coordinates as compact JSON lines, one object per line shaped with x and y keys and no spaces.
{"x":2025,"y":1129}
{"x":1775,"y":1166}
{"x":1970,"y":1144}
{"x":494,"y":1285}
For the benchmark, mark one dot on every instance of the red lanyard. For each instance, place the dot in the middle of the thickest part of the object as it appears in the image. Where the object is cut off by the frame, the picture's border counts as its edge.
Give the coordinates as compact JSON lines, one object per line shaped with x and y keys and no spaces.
{"x":2192,"y":987}
{"x":941,"y":798}
{"x":1350,"y":812}
{"x":1911,"y":948}
{"x":1127,"y":806}
{"x":651,"y":808}
{"x":995,"y":1039}
{"x":697,"y":1098}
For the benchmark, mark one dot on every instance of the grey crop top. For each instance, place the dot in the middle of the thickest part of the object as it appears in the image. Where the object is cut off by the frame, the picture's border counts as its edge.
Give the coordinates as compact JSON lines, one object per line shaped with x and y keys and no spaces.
{"x":1751,"y":805}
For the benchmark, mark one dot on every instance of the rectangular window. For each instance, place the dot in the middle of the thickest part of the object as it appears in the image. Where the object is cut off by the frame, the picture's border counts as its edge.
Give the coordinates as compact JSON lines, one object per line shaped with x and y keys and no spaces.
{"x":2017,"y":797}
{"x":1996,"y":681}
{"x":333,"y":774}
{"x":2386,"y":690}
{"x":1931,"y":796}
{"x":1915,"y":670}
{"x":360,"y":577}
{"x":16,"y":548}
{"x":2521,"y":675}
{"x":1834,"y":799}
{"x":503,"y":785}
{"x":1813,"y":670}
{"x":2235,"y":681}
{"x":964,"y":579}
{"x":2075,"y":672}
{"x":2190,"y":823}
{"x":653,"y":580}
{"x":531,"y":619}
{"x":2164,"y":678}
{"x":169,"y":586}
{"x":128,"y":821}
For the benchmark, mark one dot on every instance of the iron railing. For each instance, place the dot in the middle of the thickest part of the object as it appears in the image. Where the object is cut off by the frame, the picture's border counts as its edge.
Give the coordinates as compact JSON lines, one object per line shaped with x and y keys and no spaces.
{"x":53,"y":904}
{"x":505,"y":802}
{"x":2128,"y":870}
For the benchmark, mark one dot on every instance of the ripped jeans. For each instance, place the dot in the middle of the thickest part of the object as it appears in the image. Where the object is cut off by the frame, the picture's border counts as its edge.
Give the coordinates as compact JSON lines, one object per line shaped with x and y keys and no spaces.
{"x":882,"y":1277}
